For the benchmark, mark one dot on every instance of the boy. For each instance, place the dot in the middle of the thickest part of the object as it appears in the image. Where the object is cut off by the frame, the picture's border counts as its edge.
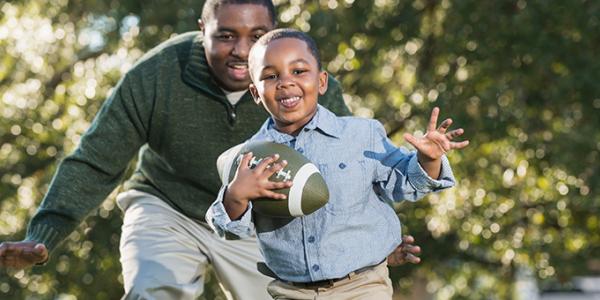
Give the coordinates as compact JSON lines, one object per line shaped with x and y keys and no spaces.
{"x":338,"y":251}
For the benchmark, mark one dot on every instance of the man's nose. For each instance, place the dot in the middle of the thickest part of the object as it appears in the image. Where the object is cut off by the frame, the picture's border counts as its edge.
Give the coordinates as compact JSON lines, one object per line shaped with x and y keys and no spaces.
{"x":242,"y":47}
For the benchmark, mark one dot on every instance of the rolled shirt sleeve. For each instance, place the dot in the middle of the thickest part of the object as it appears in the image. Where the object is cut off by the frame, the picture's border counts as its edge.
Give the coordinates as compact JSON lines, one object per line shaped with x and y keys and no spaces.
{"x":219,"y":220}
{"x":399,"y":174}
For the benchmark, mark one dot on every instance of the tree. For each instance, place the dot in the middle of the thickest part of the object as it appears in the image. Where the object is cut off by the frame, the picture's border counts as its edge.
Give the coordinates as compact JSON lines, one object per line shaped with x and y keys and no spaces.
{"x":519,"y":76}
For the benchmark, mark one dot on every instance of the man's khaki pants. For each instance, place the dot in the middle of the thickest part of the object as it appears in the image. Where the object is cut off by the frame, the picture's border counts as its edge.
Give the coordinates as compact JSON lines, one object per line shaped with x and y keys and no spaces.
{"x":164,"y":254}
{"x":372,"y":284}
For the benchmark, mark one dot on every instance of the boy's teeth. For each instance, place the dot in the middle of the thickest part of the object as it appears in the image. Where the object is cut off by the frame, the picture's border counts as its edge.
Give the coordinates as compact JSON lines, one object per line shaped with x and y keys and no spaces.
{"x":290,"y":99}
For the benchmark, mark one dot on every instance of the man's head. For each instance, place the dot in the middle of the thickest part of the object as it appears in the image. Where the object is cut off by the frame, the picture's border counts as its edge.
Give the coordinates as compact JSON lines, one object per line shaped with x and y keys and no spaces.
{"x":230,"y":28}
{"x":285,"y":68}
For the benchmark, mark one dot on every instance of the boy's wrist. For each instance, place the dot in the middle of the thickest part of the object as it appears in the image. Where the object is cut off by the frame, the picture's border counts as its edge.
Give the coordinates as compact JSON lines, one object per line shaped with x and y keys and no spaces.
{"x":234,"y":205}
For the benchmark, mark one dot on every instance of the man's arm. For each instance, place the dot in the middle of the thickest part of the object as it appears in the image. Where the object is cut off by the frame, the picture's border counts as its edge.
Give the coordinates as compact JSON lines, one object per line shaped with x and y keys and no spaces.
{"x":86,"y":177}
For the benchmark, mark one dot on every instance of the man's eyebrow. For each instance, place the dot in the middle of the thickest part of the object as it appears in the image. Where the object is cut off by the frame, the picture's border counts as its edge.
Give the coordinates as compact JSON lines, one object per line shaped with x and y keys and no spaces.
{"x":232,"y":29}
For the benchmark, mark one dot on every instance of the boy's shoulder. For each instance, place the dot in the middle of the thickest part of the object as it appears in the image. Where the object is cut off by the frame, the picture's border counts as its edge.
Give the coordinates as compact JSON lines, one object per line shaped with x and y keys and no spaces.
{"x":360,"y":124}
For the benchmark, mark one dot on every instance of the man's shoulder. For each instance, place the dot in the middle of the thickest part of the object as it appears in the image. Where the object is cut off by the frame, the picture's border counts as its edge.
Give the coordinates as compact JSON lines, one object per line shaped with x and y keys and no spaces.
{"x":175,"y":49}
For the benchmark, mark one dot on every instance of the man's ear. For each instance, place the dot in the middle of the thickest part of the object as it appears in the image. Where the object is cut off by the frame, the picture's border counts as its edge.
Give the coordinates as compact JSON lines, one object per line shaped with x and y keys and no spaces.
{"x":323,"y":79}
{"x":201,"y":25}
{"x":254,"y":93}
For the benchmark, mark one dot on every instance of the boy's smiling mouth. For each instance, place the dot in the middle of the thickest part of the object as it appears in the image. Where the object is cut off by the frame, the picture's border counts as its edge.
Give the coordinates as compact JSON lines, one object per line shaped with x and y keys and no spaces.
{"x":289,"y":101}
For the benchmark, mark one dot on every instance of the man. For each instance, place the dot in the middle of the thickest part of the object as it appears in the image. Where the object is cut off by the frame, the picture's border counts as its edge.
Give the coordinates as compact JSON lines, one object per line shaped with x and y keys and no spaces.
{"x":180,"y":106}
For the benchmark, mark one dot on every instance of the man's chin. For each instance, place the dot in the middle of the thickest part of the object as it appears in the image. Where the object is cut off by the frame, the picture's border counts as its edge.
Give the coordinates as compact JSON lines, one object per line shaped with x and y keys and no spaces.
{"x":235,"y":85}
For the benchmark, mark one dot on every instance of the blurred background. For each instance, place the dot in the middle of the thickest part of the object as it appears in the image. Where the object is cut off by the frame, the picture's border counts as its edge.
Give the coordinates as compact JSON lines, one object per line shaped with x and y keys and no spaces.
{"x":520,"y":76}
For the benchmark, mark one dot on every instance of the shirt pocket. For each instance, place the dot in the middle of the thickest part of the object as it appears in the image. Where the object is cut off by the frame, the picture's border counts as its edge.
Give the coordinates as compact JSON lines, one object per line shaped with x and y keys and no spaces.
{"x":347,"y":183}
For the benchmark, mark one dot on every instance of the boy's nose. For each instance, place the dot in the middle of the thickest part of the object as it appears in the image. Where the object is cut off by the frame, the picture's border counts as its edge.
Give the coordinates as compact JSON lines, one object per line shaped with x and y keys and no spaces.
{"x":285,"y":82}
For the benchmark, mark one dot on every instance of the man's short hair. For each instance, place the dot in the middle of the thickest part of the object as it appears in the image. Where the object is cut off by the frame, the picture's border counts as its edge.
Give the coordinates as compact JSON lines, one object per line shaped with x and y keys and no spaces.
{"x":211,"y":7}
{"x":289,"y":33}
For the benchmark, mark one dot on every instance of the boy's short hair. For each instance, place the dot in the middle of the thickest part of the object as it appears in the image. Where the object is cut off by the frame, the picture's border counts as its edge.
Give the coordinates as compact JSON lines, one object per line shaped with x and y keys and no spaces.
{"x":287,"y":33}
{"x":211,"y":7}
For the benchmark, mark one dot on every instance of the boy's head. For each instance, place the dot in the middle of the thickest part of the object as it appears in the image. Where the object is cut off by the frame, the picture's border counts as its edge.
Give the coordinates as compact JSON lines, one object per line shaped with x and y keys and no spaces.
{"x":230,"y":28}
{"x":285,"y":68}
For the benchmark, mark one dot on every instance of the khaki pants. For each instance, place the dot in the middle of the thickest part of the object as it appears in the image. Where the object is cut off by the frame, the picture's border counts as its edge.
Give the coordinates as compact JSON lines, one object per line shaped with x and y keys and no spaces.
{"x":164,"y":254}
{"x":372,"y":284}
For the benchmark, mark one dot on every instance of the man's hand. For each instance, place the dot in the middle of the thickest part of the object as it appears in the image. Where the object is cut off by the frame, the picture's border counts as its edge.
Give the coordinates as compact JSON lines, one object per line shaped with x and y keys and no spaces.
{"x":20,"y":255}
{"x":406,"y":252}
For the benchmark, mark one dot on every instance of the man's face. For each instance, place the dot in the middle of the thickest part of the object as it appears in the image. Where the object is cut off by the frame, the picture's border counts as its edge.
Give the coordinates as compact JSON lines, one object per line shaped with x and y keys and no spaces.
{"x":287,"y":80}
{"x":228,"y":37}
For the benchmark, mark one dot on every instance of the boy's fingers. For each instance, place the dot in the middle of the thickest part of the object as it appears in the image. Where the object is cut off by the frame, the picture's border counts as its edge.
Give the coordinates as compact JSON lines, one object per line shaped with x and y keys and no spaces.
{"x":433,"y":120}
{"x":264,"y":163}
{"x":459,"y":145}
{"x":273,"y":195}
{"x":276,"y":167}
{"x":454,"y":133}
{"x":444,"y":126}
{"x":411,"y":139}
{"x":278,"y":185}
{"x":245,"y":162}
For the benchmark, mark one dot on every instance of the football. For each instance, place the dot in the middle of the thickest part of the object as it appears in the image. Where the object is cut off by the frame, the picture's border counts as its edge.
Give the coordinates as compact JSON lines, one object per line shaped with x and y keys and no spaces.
{"x":308,"y":192}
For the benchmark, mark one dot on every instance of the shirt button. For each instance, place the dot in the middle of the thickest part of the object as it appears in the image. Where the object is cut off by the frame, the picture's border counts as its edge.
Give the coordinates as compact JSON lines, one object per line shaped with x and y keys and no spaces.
{"x":342,"y":165}
{"x":311,"y":239}
{"x":300,"y":150}
{"x":315,"y":268}
{"x":306,"y":129}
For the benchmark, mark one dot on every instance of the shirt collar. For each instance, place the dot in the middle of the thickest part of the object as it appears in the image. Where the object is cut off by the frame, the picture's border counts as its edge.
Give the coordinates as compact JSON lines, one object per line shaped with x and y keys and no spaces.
{"x":324,"y":121}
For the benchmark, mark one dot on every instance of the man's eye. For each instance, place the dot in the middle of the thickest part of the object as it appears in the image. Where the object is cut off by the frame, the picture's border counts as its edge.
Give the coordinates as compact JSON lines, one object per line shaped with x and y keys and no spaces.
{"x":225,"y":37}
{"x":257,"y":36}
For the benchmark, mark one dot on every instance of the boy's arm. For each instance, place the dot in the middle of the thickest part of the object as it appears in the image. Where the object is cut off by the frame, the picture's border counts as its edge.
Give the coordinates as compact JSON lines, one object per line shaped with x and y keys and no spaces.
{"x":218,"y":219}
{"x":399,"y":175}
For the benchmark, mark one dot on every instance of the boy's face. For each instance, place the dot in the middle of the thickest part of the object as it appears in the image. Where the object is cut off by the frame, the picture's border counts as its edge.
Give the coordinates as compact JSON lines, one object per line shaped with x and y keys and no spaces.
{"x":228,"y":37}
{"x":287,"y":80}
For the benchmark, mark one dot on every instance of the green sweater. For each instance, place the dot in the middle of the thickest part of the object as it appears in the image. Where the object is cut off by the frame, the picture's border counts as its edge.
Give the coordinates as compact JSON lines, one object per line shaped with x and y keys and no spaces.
{"x":169,"y":109}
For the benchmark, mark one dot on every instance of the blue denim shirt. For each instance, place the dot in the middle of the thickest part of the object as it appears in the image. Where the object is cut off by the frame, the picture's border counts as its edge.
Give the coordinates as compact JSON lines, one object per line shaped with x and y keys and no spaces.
{"x":356,"y":228}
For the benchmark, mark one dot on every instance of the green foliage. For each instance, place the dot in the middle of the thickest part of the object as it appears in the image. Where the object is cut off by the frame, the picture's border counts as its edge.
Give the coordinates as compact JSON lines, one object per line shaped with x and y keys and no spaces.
{"x":519,"y":76}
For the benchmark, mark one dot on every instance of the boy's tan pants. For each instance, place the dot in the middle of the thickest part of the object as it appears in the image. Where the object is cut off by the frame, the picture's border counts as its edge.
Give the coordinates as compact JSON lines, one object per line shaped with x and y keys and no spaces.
{"x":164,"y":254}
{"x":373,"y":283}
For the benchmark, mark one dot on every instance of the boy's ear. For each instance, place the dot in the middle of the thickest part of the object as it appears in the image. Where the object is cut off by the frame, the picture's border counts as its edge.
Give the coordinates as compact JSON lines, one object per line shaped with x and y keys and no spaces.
{"x":323,"y":78}
{"x":254,"y":93}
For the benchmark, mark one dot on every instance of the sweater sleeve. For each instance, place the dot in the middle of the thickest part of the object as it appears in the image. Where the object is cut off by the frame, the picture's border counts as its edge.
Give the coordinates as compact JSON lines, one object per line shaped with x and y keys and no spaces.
{"x":333,"y":98}
{"x":88,"y":175}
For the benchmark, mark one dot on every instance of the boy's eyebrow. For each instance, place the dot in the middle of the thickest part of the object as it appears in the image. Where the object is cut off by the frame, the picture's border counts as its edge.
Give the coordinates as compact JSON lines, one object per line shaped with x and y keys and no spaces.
{"x":298,"y":60}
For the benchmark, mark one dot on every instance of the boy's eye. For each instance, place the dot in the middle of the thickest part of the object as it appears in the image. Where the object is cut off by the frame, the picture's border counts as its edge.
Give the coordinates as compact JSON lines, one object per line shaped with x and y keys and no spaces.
{"x":299,"y":71}
{"x":269,"y":77}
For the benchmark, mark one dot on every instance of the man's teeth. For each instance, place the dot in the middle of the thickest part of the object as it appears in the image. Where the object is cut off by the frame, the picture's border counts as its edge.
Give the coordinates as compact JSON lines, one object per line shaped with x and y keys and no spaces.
{"x":239,"y":67}
{"x":290,"y":100}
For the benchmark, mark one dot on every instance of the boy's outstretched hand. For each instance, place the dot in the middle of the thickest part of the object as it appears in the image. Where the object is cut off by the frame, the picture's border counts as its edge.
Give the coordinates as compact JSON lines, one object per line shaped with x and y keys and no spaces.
{"x":435,"y":143}
{"x":406,"y":252}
